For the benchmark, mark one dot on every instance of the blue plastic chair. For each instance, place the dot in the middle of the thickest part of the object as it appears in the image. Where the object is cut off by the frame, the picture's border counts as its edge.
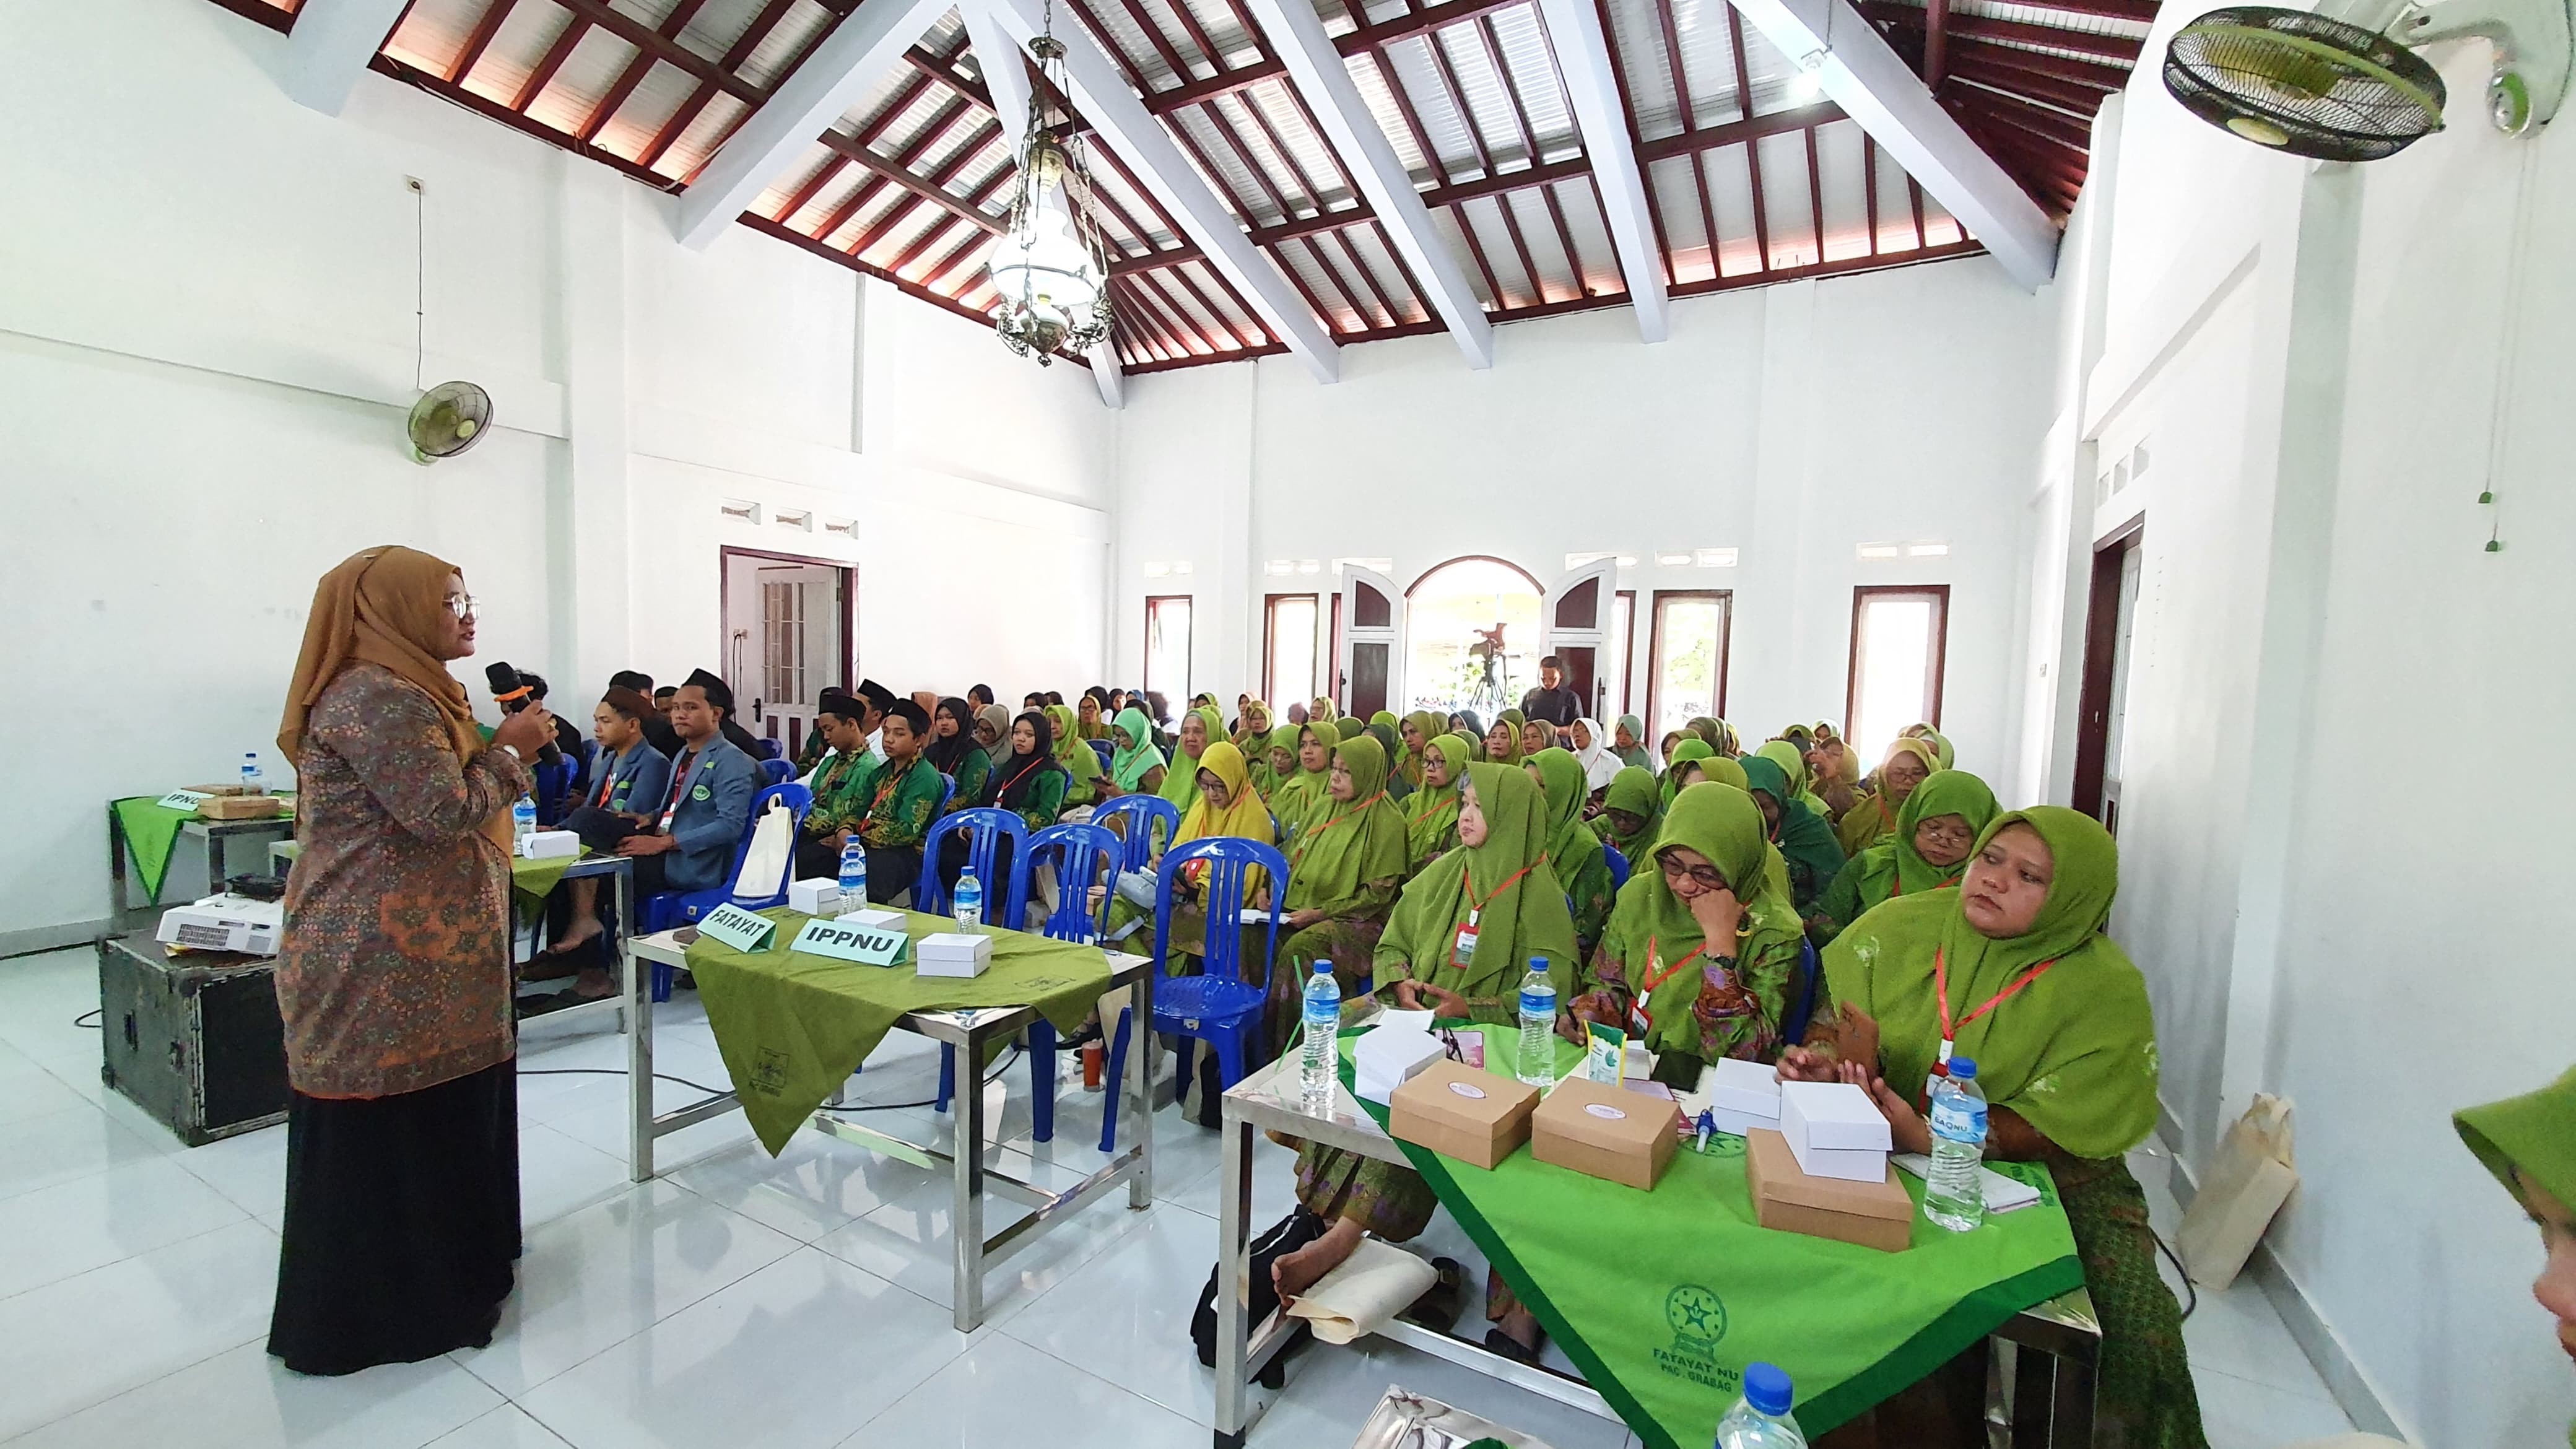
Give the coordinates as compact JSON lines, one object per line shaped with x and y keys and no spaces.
{"x":1618,"y":866}
{"x":1142,"y":814}
{"x":1080,"y":850}
{"x":1222,"y":1005}
{"x":947,"y":792}
{"x":679,"y":908}
{"x":1802,"y":996}
{"x":778,"y":771}
{"x":985,"y":829}
{"x":767,"y":749}
{"x":1105,"y":750}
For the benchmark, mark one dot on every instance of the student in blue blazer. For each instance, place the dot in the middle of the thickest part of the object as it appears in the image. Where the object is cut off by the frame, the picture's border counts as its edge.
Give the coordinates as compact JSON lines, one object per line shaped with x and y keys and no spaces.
{"x":700,"y":817}
{"x":630,"y":779}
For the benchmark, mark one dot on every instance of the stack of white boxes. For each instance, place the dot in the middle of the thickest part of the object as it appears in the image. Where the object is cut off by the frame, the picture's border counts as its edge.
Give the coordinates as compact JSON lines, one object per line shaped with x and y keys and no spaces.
{"x":1742,"y":1095}
{"x":820,"y":896}
{"x":952,"y":953}
{"x":549,"y":845}
{"x":1835,"y":1130}
{"x":1387,"y":1056}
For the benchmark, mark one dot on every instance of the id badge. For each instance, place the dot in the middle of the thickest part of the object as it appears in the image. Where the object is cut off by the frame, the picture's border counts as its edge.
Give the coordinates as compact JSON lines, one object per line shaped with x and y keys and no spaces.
{"x":1464,"y":951}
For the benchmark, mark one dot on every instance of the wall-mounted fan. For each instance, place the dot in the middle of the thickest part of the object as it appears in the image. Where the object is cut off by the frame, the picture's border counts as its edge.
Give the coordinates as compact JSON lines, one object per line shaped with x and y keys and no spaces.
{"x":448,"y":419}
{"x":2344,"y":83}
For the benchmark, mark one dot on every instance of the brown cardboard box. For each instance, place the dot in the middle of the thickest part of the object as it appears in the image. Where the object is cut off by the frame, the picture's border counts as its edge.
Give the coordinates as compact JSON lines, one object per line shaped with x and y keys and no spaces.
{"x":1463,"y":1112}
{"x":1873,"y":1214}
{"x":242,"y":807}
{"x":215,"y":789}
{"x":1606,"y":1131}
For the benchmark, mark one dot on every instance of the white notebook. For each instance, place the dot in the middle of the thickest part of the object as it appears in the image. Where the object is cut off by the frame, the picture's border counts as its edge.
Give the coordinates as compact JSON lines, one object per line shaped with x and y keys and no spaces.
{"x":2003,"y":1194}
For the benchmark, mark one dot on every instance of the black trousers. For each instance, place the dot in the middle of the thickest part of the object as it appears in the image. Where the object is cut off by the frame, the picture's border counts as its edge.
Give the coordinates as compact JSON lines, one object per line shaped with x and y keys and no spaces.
{"x":402,"y":1222}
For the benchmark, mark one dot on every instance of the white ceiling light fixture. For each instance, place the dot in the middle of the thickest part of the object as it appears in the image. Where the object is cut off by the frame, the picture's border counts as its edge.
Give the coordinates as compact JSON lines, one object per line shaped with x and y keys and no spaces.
{"x":1049,"y":266}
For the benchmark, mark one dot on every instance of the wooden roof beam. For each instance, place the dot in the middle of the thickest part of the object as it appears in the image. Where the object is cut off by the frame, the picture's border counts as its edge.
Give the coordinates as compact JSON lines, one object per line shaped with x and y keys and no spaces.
{"x":1859,"y":71}
{"x":1582,"y":50}
{"x":1323,"y":78}
{"x":856,"y":55}
{"x":1124,"y":126}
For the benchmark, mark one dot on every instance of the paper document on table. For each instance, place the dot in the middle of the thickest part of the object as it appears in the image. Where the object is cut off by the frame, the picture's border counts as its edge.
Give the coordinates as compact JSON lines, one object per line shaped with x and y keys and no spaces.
{"x":2003,"y":1194}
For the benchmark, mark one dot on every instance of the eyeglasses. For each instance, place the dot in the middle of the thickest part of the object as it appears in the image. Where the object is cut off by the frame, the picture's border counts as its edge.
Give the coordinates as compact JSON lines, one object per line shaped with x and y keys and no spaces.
{"x":1703,"y":876}
{"x":461,"y":605}
{"x":1958,"y":834}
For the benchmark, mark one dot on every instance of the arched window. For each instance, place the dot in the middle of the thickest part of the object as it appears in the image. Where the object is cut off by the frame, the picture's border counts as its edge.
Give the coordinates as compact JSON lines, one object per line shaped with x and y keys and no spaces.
{"x":1449,"y":613}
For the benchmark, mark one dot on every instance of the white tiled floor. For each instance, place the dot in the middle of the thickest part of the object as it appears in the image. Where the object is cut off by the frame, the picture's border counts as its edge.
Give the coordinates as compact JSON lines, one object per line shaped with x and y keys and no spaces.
{"x":738,"y":1301}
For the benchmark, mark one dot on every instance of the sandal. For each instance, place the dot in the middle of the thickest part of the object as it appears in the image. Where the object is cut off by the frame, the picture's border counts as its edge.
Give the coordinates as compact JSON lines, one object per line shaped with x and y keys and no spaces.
{"x":1437,"y":1309}
{"x":1497,"y":1341}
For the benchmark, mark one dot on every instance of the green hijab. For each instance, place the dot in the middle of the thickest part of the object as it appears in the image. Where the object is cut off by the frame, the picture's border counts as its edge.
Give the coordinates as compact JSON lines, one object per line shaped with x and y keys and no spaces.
{"x":1301,"y":794}
{"x":1722,"y":823}
{"x":1346,"y":845}
{"x":1350,"y":727}
{"x":1633,"y":790}
{"x":1892,"y":868}
{"x":1129,"y":765}
{"x":1397,"y":787}
{"x":1636,"y":754}
{"x":1939,"y":742}
{"x":1427,"y":725}
{"x":1691,"y":748}
{"x":2535,"y":1132}
{"x":1519,"y":920}
{"x":1181,"y":777}
{"x":2074,"y":1052}
{"x":1804,"y":838}
{"x":1075,"y":753}
{"x":1431,"y":816}
{"x":1571,"y":845}
{"x":1265,"y":776}
{"x":1792,"y":762}
{"x":1384,"y":717}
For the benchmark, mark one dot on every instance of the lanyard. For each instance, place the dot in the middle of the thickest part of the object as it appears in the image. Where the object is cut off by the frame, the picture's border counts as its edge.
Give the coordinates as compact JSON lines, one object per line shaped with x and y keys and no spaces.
{"x":679,"y":783}
{"x":1637,"y":1007}
{"x":1941,"y":995}
{"x":1476,"y":906}
{"x":1896,"y":887}
{"x":607,"y":782}
{"x":1358,"y":808}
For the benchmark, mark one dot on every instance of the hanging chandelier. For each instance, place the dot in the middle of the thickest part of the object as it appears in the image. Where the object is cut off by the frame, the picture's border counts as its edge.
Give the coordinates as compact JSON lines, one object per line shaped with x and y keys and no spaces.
{"x":1048,"y":265}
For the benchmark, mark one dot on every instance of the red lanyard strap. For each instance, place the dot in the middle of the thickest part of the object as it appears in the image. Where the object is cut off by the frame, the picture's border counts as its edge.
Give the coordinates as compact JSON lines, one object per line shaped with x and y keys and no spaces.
{"x":1358,"y":808}
{"x":1475,"y":903}
{"x":1653,"y":978}
{"x":1941,"y":995}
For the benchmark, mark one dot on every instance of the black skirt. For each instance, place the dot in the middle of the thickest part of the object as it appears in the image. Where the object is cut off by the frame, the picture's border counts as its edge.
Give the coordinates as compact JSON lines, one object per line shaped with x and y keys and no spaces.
{"x":402,"y":1223}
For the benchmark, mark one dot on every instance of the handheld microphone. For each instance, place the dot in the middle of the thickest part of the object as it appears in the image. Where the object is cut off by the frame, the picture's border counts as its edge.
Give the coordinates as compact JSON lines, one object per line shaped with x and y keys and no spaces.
{"x":511,"y":692}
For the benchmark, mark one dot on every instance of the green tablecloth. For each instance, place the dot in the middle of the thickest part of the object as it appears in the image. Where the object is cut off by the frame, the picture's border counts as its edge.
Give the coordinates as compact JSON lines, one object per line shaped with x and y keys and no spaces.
{"x":1662,"y":1298}
{"x":151,"y":831}
{"x":534,"y":880}
{"x":793,"y":1026}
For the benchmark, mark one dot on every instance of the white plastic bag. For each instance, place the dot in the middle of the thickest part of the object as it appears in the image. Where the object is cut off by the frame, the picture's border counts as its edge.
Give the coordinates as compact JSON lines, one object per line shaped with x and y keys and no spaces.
{"x":773,"y":850}
{"x":2252,"y":1177}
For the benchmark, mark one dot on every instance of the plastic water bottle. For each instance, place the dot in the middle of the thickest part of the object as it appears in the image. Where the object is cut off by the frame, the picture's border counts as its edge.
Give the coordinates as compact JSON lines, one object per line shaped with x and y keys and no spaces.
{"x":252,"y":782}
{"x":1954,"y":1194}
{"x":968,"y":906}
{"x":1323,"y":1023}
{"x":523,"y":818}
{"x":1538,"y":1026}
{"x":854,"y":877}
{"x":1760,"y":1419}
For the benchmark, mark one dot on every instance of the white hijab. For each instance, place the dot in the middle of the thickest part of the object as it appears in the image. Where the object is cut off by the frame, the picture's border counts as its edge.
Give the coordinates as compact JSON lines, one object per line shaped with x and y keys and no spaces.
{"x":1600,"y":764}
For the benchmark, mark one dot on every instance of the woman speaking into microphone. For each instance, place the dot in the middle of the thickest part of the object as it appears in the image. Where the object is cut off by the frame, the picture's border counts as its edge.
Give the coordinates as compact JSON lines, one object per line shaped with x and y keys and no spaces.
{"x":393,"y":976}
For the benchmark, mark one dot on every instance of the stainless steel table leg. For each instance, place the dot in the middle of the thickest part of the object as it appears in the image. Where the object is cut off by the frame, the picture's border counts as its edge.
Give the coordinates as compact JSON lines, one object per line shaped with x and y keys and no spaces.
{"x":966,"y":1212}
{"x":1234,"y":1285}
{"x":625,"y":874}
{"x":639,"y":1064}
{"x":1140,"y":1072}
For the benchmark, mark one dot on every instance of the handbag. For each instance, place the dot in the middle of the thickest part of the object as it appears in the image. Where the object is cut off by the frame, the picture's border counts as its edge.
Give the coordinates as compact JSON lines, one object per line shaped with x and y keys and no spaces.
{"x":2252,"y":1177}
{"x":773,"y":849}
{"x":1283,"y":1237}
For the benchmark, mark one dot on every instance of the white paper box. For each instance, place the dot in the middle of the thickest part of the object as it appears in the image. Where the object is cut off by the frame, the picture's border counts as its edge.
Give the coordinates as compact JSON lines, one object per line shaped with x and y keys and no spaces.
{"x":1739,"y":1124}
{"x":952,"y":953}
{"x":1747,"y":1089}
{"x":1835,"y":1130}
{"x":873,"y":918}
{"x":549,"y":844}
{"x":820,"y":896}
{"x":1387,"y":1057}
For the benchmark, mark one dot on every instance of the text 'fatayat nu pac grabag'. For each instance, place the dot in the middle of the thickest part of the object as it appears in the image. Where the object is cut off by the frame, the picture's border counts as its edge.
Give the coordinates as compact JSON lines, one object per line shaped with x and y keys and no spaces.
{"x":2252,"y":1177}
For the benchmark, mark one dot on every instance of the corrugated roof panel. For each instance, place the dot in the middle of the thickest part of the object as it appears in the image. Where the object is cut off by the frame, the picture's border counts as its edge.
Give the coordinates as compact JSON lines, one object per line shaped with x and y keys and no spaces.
{"x":1685,"y":226}
{"x":794,"y":179}
{"x":1524,"y":46}
{"x":1485,"y":216}
{"x":1838,"y":161}
{"x":1597,"y":254}
{"x":1730,"y":193}
{"x":1111,"y":23}
{"x":587,"y":74}
{"x":1419,"y":74}
{"x":1482,"y":87}
{"x":1334,"y":295}
{"x":1242,"y":329}
{"x":1708,"y":58}
{"x":1778,"y":84}
{"x":1445,"y":221}
{"x":1308,"y":175}
{"x":696,"y":143}
{"x":1895,"y":208}
{"x":1372,"y":84}
{"x":1637,"y":38}
{"x":1168,"y":17}
{"x":2054,"y":19}
{"x":1238,"y":47}
{"x":433,"y":33}
{"x":798,"y":31}
{"x":1383,"y":264}
{"x":1557,"y":272}
{"x":1784,"y":199}
{"x":1236,"y":185}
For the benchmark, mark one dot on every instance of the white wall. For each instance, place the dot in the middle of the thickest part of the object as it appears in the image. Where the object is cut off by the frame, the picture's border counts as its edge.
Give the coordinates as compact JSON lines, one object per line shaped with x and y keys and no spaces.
{"x":2315,"y":359}
{"x":1792,"y":423}
{"x":206,"y":333}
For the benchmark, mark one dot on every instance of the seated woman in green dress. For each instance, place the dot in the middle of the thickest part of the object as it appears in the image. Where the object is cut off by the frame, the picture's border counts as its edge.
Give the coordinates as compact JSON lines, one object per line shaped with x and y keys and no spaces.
{"x":1431,"y":816}
{"x":1029,"y":782}
{"x":1630,"y":810}
{"x":1497,"y":880}
{"x":1302,"y":792}
{"x":1344,"y":869}
{"x":1086,"y":783}
{"x":955,"y":754}
{"x":1929,"y":848}
{"x":1806,"y":842}
{"x":2011,"y":967}
{"x":1872,"y":819}
{"x":1199,"y":728}
{"x":1572,"y":849}
{"x":1135,"y":763}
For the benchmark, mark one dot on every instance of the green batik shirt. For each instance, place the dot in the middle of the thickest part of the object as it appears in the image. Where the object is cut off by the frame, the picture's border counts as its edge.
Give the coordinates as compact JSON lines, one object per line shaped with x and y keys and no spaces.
{"x":974,"y":769}
{"x":901,"y":804}
{"x":841,"y":792}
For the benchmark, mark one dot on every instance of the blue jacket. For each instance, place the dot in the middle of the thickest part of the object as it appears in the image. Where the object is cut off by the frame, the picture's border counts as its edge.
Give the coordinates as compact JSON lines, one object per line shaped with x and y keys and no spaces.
{"x":714,"y":806}
{"x":637,"y":781}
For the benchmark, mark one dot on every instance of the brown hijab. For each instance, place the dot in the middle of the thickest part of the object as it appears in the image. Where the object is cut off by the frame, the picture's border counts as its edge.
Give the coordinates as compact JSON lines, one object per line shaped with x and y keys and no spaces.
{"x":381,"y":607}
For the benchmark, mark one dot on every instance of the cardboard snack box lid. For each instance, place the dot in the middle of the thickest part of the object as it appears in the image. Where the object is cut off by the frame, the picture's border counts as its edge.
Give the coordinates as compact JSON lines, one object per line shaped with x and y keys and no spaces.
{"x":1774,"y":1171}
{"x":1470,"y":1099}
{"x":1598,"y":1112}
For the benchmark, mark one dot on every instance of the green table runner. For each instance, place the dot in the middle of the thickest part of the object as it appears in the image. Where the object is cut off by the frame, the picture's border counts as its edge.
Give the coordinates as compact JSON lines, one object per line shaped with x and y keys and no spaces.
{"x":793,"y":1026}
{"x":534,"y":880}
{"x":1662,"y":1298}
{"x":151,"y":831}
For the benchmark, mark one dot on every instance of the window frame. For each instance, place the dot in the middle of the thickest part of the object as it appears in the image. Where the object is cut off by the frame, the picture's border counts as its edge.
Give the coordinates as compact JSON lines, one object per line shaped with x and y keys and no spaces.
{"x":1189,"y":644}
{"x":1270,"y":644}
{"x":1655,"y":651}
{"x":1862,"y":595}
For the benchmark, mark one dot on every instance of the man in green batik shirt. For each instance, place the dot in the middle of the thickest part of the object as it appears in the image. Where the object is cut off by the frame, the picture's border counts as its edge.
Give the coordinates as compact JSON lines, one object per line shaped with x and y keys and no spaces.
{"x":841,"y":780}
{"x":903,"y":798}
